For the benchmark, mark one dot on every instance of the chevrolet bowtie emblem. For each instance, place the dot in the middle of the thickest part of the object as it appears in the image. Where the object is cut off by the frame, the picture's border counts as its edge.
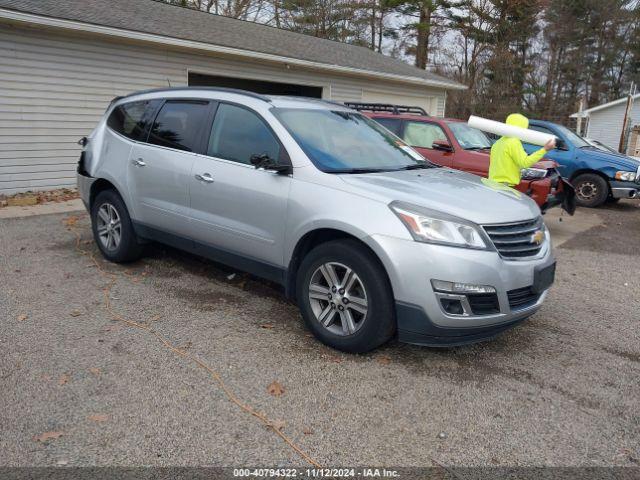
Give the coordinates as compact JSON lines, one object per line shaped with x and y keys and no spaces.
{"x":537,"y":237}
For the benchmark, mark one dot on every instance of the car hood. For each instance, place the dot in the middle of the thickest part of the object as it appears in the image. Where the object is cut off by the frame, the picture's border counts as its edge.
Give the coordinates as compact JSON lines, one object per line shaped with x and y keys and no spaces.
{"x":619,"y":160}
{"x":449,"y":191}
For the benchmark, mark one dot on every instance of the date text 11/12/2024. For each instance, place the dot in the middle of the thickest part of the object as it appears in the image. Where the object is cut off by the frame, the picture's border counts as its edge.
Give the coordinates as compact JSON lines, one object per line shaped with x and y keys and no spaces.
{"x":309,"y":473}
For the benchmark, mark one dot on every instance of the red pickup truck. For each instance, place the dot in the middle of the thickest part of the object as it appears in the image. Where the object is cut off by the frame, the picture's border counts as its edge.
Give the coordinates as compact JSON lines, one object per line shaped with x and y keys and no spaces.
{"x":454,"y":144}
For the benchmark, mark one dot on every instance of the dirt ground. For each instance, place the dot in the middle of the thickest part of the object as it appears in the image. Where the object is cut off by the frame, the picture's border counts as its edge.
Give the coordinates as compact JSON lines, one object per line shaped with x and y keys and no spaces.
{"x":80,"y":386}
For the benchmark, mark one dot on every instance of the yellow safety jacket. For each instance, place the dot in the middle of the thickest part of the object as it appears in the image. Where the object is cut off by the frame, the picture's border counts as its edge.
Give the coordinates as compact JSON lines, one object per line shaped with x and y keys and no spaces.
{"x":508,"y":156}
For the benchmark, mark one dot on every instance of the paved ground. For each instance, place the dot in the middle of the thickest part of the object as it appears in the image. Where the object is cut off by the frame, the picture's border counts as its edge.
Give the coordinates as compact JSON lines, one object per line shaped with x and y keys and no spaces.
{"x":562,"y":389}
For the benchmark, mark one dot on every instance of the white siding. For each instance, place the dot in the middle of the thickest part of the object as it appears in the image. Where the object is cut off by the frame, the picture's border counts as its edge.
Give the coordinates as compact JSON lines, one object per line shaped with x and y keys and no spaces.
{"x":428,"y":99}
{"x":55,"y":86}
{"x":606,"y":125}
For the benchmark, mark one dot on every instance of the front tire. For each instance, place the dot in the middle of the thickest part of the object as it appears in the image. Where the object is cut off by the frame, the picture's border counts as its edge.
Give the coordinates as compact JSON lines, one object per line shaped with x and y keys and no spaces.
{"x":112,"y":228}
{"x":345,"y":297}
{"x":591,"y":190}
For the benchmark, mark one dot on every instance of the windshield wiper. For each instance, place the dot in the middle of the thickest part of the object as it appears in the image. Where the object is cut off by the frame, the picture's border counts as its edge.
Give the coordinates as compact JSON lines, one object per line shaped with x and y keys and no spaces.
{"x":418,"y":166}
{"x":358,"y":170}
{"x":478,"y":148}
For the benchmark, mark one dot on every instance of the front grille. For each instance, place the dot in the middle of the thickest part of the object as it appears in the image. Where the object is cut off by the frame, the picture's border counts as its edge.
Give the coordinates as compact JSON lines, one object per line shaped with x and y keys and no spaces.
{"x":484,"y":304}
{"x":516,"y":240}
{"x":522,"y":298}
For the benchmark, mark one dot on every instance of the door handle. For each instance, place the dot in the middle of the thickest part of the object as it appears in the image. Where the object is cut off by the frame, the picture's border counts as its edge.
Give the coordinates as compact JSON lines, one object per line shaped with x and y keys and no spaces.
{"x":205,"y":177}
{"x":138,"y":162}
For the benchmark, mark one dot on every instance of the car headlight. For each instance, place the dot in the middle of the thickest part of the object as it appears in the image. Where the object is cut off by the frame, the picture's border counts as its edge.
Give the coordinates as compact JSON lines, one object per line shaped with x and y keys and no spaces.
{"x":434,"y":227}
{"x":626,"y":176}
{"x":533,"y":172}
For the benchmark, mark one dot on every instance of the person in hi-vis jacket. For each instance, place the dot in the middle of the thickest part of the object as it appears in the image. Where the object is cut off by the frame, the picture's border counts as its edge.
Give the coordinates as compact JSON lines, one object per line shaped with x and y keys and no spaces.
{"x":508,"y":156}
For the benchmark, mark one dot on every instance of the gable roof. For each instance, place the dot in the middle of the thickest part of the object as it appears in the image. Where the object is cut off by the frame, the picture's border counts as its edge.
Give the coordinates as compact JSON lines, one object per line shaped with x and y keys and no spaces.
{"x":589,"y":111}
{"x":164,"y":23}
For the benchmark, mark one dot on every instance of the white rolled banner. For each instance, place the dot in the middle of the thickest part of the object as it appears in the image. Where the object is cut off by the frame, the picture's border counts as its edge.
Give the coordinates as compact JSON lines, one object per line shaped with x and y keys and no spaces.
{"x":498,"y":128}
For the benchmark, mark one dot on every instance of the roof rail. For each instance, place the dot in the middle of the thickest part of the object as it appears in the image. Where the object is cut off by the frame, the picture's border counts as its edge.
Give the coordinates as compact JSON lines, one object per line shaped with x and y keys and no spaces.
{"x":386,"y":107}
{"x":238,"y":91}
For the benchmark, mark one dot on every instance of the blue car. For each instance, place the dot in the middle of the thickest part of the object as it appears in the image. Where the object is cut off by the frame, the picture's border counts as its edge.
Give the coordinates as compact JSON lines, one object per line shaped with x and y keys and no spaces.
{"x":597,"y":176}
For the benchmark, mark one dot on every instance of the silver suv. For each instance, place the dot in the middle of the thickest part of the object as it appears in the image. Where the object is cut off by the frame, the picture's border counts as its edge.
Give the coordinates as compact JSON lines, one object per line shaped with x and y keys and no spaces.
{"x":369,"y":238}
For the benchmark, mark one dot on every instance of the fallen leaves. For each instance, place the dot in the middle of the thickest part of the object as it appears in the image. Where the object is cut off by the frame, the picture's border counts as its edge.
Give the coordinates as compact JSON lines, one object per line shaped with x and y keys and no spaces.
{"x":307,"y":431}
{"x":43,"y":437}
{"x":267,"y":326}
{"x":22,"y":200}
{"x":22,"y":317}
{"x":64,"y":379}
{"x":95,"y":371}
{"x":98,"y":417}
{"x":71,"y":220}
{"x":58,"y":195}
{"x":75,"y":313}
{"x":275,"y":389}
{"x":384,"y":360}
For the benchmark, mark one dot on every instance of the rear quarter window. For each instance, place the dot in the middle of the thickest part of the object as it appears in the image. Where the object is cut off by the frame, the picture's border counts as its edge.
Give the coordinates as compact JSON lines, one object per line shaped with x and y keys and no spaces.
{"x":178,"y":125}
{"x":394,"y":125}
{"x":132,"y":119}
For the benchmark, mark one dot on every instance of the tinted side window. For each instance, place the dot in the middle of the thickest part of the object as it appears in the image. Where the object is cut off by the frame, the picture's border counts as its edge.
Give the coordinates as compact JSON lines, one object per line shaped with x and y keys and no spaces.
{"x":422,"y":134}
{"x":179,"y":124}
{"x":541,"y":129}
{"x":238,"y":133}
{"x":538,"y":128}
{"x":132,"y":119}
{"x":392,"y":124}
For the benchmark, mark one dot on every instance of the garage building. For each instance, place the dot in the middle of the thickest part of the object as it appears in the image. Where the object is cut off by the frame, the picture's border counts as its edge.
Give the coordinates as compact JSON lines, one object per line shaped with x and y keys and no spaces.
{"x":63,"y":61}
{"x":605,"y":122}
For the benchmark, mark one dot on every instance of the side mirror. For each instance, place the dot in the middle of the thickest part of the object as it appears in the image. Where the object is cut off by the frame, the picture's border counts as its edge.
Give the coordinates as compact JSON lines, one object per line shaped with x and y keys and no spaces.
{"x":264,"y":161}
{"x":560,"y":144}
{"x":442,"y":145}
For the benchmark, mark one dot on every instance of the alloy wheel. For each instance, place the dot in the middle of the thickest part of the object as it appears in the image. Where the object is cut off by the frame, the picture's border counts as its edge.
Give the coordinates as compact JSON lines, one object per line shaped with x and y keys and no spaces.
{"x":338,"y":298}
{"x":109,"y":226}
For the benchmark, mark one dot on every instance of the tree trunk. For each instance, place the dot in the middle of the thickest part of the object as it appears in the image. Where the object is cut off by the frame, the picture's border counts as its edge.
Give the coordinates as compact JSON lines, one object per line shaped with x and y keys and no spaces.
{"x":422,"y":43}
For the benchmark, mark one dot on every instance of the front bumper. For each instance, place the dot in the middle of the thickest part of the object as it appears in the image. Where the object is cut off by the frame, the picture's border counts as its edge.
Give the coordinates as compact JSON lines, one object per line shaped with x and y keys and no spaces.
{"x":420,"y":315}
{"x":624,"y":189}
{"x":550,"y":191}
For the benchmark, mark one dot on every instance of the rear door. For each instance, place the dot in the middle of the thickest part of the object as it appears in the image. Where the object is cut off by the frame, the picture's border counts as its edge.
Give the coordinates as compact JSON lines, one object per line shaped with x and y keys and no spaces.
{"x":236,"y":209}
{"x":160,"y":169}
{"x":421,"y":135}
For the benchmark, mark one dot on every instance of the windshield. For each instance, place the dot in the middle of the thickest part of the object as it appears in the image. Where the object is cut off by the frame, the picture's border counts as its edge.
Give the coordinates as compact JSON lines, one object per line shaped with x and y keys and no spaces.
{"x":575,"y":139}
{"x":468,"y":137}
{"x":339,"y":141}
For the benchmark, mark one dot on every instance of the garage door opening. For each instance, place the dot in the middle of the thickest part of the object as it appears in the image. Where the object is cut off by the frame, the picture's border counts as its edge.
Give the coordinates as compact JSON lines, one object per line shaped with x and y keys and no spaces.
{"x":257,"y":86}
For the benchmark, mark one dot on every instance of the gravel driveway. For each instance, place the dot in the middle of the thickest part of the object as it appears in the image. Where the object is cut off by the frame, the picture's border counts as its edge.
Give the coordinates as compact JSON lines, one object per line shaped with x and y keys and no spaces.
{"x":82,"y":388}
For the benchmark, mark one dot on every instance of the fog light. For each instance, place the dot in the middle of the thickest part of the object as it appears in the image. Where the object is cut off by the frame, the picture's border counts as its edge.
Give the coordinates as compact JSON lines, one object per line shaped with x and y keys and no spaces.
{"x":456,"y":287}
{"x":452,"y":307}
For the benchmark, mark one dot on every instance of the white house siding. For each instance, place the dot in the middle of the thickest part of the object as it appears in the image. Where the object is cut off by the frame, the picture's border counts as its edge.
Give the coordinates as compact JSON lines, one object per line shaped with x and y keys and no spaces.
{"x":606,"y":125}
{"x":55,"y":86}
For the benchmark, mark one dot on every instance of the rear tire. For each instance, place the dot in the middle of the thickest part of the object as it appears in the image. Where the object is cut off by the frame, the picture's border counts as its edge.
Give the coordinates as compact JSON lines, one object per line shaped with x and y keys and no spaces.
{"x":351,"y":306}
{"x":112,"y":228}
{"x":591,"y":190}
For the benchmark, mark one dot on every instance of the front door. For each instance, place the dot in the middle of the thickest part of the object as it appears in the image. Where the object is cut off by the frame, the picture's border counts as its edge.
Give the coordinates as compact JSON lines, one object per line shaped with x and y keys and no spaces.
{"x":563,"y":154}
{"x":236,"y":209}
{"x":160,"y":170}
{"x":421,"y":135}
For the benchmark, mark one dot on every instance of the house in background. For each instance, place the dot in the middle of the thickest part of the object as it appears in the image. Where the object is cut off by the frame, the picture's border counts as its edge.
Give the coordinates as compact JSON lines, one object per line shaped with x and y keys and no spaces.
{"x":604,"y":123}
{"x":63,"y":61}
